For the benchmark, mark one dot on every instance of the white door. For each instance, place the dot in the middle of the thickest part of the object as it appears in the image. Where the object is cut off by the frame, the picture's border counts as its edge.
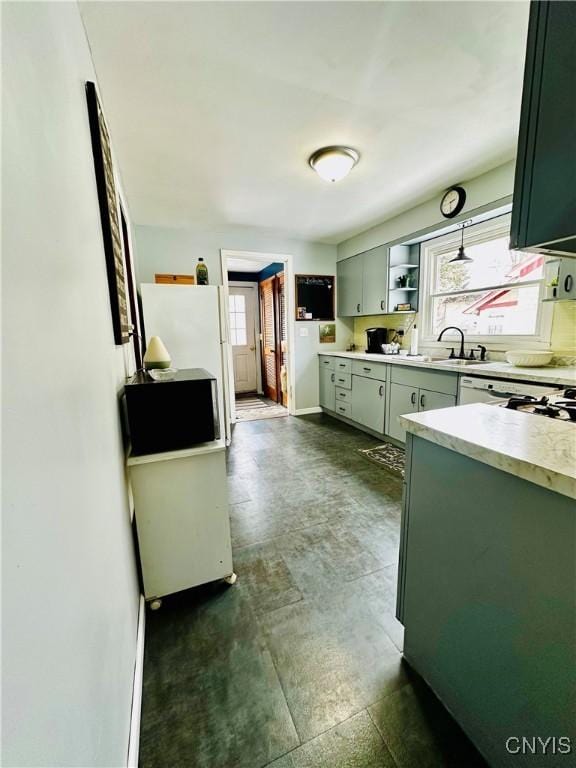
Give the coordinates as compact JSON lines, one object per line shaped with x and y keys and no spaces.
{"x":242,"y":310}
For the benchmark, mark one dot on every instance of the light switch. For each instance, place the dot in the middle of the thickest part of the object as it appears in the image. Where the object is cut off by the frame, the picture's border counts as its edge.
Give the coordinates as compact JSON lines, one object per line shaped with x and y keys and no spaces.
{"x":303,"y":331}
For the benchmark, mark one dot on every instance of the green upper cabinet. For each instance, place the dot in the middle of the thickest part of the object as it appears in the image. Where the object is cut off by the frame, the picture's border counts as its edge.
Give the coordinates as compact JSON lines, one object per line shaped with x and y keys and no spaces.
{"x":544,"y":209}
{"x":350,"y":274}
{"x":375,"y":281}
{"x":363,"y":283}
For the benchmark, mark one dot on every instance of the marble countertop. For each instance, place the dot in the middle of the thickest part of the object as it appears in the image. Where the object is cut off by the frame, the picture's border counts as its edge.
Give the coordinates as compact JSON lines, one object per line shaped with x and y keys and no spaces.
{"x":562,"y":376}
{"x":535,"y":448}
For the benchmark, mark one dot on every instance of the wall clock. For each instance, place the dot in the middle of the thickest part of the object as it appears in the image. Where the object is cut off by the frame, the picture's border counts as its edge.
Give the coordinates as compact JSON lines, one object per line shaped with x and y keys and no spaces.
{"x":452,"y":202}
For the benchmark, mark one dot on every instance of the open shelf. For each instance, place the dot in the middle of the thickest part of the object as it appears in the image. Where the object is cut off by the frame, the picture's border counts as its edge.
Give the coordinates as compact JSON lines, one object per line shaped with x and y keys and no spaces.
{"x":402,"y":289}
{"x":404,"y":266}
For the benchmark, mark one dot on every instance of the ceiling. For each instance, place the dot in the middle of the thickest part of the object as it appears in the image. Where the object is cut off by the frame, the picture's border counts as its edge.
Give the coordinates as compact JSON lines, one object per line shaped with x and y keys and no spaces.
{"x":214,"y":107}
{"x":246,"y":265}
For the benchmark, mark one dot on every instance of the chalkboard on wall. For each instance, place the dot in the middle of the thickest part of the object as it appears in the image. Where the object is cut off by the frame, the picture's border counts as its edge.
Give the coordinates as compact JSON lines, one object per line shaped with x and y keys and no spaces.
{"x":314,"y":297}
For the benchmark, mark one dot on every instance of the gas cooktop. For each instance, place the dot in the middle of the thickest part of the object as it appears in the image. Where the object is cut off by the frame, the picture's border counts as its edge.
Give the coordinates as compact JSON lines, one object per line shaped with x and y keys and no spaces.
{"x":555,"y":406}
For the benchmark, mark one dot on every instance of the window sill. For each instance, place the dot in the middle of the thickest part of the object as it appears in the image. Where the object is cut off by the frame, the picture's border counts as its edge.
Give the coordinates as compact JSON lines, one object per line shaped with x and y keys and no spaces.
{"x":503,"y":345}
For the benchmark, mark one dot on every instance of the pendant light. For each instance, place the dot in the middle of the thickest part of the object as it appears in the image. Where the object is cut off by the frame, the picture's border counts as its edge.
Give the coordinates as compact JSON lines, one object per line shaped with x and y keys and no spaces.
{"x":333,"y":163}
{"x":461,"y":255}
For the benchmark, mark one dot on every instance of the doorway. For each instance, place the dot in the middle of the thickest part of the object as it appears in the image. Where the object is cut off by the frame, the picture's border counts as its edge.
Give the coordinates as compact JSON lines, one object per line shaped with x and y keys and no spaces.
{"x":243,"y":316}
{"x":258,"y":332}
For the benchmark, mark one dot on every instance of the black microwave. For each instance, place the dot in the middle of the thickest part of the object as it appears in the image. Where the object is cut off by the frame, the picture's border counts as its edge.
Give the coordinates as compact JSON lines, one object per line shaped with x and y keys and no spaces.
{"x":171,"y":415}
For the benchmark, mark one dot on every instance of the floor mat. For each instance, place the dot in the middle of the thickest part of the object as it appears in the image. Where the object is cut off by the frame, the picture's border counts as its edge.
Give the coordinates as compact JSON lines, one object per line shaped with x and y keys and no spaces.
{"x":252,"y":408}
{"x":387,"y":456}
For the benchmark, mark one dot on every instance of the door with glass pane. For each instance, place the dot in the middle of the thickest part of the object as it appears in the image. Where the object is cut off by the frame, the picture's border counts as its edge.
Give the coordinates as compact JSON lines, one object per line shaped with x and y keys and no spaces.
{"x":242,"y":312}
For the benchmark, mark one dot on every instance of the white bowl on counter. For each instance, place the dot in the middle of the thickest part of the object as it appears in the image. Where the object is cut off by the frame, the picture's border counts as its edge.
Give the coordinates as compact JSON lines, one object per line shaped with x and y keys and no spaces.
{"x":528,"y":358}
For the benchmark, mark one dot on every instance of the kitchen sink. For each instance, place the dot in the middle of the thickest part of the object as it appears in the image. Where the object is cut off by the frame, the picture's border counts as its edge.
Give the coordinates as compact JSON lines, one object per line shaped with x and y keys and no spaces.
{"x":458,"y":361}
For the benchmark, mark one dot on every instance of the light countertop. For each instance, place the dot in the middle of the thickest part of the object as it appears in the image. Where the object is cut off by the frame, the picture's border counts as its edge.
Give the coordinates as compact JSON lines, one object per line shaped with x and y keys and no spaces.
{"x":562,"y":376}
{"x":535,"y":448}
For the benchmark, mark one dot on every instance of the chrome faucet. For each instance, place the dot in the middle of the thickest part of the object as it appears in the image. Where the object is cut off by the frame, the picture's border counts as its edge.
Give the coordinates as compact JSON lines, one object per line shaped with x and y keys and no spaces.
{"x":461,"y":355}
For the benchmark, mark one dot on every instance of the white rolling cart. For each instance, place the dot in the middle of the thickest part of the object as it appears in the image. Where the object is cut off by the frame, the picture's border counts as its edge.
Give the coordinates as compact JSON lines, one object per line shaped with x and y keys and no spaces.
{"x":181,"y":507}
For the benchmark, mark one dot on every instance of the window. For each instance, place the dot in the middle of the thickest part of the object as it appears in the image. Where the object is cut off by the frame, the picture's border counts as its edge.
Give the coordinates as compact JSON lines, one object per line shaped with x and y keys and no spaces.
{"x":495,"y":298}
{"x":237,"y":308}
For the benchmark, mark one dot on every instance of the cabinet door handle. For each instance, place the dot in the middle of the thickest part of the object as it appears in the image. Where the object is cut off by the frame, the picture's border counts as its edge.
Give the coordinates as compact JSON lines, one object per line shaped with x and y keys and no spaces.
{"x":342,"y":380}
{"x":358,"y":308}
{"x":342,"y":410}
{"x":422,"y":401}
{"x":367,"y":369}
{"x":381,"y":390}
{"x":332,"y":378}
{"x":568,"y":283}
{"x":382,"y":304}
{"x":413,"y":398}
{"x":341,"y":365}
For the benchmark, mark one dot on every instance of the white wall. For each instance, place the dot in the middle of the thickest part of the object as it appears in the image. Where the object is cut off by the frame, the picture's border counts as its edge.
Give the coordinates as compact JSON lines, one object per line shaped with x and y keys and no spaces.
{"x":70,"y":593}
{"x":480,"y":191}
{"x":160,"y":249}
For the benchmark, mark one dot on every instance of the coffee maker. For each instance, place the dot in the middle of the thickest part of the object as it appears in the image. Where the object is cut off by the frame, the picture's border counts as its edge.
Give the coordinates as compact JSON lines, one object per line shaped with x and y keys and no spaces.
{"x":375,"y":337}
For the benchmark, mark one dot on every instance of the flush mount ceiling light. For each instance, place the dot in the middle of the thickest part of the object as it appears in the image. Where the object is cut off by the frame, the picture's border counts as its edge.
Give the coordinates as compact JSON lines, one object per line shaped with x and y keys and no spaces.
{"x":333,"y":163}
{"x":461,"y":256}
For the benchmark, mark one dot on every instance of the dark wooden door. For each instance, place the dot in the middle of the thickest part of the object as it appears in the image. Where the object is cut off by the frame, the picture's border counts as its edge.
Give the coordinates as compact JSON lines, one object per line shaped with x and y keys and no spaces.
{"x":283,"y":335}
{"x":270,"y":345}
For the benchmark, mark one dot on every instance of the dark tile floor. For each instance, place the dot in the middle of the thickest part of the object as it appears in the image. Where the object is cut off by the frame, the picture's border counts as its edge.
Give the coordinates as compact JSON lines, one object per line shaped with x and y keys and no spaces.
{"x":299,"y":664}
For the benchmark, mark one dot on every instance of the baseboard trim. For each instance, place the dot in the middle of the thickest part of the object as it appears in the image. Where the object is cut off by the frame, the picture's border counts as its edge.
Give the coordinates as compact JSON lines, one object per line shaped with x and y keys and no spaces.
{"x":306,"y":411}
{"x":134,"y":738}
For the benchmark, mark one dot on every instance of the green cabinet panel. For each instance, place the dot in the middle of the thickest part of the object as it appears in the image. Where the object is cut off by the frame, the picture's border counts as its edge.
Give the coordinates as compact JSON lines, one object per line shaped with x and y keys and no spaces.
{"x":431,"y":401}
{"x":543,"y":217}
{"x":349,"y":274}
{"x":368,"y":398}
{"x":327,"y":389}
{"x":487,"y":597}
{"x":435,"y":381}
{"x":369,"y":369}
{"x":375,"y":281}
{"x":342,"y":365}
{"x":403,"y":399}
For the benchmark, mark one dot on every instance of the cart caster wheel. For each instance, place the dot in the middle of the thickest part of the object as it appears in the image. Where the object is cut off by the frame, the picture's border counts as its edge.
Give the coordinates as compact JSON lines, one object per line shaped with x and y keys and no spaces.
{"x":155,"y":605}
{"x":231,"y":579}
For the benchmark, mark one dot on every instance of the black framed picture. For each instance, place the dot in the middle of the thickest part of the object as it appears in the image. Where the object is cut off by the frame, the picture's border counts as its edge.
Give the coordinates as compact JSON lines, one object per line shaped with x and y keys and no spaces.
{"x":314,"y":297}
{"x":108,"y":202}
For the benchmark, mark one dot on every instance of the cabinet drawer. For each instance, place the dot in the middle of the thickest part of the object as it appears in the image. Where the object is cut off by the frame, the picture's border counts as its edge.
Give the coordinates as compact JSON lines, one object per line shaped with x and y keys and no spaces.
{"x":343,"y":380}
{"x":327,"y":362}
{"x":344,"y":409}
{"x":343,"y":395}
{"x":369,"y":370}
{"x":435,"y":381}
{"x":342,"y":365}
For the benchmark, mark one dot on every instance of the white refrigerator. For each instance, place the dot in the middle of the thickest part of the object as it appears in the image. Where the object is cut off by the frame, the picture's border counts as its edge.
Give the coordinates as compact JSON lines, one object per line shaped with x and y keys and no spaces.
{"x":181,"y":497}
{"x":192,"y":322}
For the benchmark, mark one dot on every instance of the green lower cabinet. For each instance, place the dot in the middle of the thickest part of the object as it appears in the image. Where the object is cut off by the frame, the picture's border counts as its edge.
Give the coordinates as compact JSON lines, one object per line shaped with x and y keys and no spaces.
{"x":368,"y":398}
{"x":431,"y":401}
{"x":405,"y":399}
{"x":327,"y":389}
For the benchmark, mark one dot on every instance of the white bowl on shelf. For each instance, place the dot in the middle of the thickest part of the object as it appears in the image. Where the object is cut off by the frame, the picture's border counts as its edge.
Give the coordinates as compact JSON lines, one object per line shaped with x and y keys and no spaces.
{"x":162,"y":374}
{"x":528,"y":358}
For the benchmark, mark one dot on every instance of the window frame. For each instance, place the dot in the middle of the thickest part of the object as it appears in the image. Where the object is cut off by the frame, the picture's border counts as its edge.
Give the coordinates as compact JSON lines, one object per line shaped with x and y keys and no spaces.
{"x":433,"y":248}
